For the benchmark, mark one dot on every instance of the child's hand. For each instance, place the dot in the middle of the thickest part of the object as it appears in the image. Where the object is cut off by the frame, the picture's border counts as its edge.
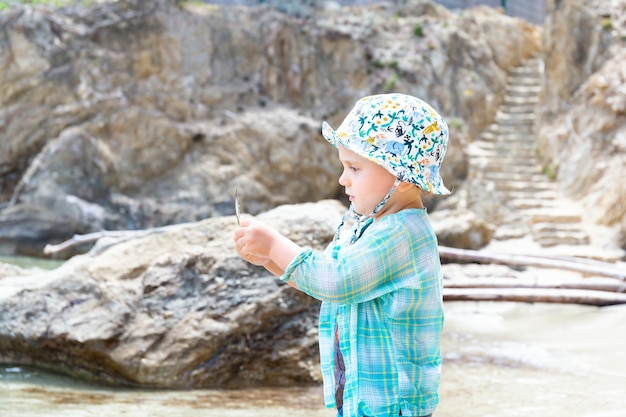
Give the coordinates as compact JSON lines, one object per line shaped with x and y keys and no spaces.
{"x":253,"y":259}
{"x":253,"y":240}
{"x":261,"y":245}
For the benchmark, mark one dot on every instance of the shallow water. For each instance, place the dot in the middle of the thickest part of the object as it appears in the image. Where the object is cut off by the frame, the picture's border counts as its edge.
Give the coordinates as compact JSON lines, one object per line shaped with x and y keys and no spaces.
{"x":29,"y":262}
{"x":500,"y":359}
{"x":514,"y":359}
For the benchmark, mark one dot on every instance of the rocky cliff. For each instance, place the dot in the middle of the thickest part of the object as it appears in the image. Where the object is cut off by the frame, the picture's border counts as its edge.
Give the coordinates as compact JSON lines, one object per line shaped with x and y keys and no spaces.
{"x":128,"y":115}
{"x":581,"y":118}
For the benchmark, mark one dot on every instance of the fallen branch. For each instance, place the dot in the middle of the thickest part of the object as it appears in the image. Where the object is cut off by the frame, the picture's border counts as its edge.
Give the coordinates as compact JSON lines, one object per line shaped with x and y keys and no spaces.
{"x":116,"y":234}
{"x":540,"y":295}
{"x":87,"y":238}
{"x":585,"y":266}
{"x":591,"y":284}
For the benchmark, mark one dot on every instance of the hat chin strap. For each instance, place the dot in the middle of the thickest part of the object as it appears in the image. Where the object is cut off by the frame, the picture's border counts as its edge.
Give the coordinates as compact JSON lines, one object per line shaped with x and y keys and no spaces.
{"x":362,"y":220}
{"x":379,"y":206}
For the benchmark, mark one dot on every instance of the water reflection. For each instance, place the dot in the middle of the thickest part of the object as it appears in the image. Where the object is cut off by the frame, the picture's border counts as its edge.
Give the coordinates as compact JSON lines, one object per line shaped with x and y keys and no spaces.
{"x":30,"y":393}
{"x":500,"y":359}
{"x":513,"y":359}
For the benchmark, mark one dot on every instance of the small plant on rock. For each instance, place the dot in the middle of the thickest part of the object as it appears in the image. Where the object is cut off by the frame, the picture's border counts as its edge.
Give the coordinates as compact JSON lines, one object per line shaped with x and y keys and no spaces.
{"x":418,"y":31}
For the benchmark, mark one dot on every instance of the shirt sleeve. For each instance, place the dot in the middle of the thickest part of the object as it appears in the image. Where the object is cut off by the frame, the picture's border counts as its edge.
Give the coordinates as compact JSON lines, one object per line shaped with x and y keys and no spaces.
{"x":378,"y":263}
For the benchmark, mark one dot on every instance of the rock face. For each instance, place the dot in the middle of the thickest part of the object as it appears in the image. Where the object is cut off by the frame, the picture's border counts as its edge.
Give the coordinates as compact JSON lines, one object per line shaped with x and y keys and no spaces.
{"x":582,"y":114}
{"x":130,"y":115}
{"x":461,"y":229}
{"x":170,"y":307}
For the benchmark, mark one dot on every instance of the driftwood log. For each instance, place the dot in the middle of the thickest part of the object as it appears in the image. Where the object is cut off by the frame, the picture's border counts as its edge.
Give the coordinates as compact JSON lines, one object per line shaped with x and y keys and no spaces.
{"x":582,"y":265}
{"x":589,"y":291}
{"x":535,"y":295}
{"x":76,"y":240}
{"x":589,"y":284}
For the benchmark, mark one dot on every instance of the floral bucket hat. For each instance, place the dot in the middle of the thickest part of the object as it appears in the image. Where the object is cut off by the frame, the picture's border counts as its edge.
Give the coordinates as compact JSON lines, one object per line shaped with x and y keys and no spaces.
{"x":402,"y":133}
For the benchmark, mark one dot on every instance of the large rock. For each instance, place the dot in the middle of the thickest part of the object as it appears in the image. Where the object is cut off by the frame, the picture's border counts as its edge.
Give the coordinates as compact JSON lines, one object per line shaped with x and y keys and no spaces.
{"x":461,"y":228}
{"x":169,"y":307}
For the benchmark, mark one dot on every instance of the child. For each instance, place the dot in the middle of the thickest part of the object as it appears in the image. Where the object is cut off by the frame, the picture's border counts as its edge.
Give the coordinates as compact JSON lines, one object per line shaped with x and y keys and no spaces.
{"x":381,"y":287}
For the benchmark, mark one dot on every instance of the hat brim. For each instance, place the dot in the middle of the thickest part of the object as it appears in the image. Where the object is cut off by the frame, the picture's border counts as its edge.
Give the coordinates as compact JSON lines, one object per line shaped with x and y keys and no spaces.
{"x":329,"y":134}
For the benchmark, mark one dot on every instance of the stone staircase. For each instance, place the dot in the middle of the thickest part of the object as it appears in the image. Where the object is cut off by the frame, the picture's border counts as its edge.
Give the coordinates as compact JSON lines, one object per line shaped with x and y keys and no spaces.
{"x":531,"y":210}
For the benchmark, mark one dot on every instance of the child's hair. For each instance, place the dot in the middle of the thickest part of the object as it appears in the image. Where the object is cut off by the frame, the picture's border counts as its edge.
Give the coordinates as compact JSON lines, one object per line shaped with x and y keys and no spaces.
{"x":401,"y":133}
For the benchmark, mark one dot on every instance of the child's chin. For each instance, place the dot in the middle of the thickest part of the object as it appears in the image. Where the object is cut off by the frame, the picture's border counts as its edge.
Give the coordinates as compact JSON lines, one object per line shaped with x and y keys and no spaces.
{"x":359,"y":210}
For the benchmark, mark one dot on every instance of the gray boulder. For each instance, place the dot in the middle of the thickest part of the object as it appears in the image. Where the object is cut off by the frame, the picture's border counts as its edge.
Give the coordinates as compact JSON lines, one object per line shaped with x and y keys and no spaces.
{"x":169,"y":307}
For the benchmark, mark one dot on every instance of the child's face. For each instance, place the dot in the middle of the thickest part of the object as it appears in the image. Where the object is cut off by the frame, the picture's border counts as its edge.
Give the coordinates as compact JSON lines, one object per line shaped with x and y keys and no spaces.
{"x":366,"y":182}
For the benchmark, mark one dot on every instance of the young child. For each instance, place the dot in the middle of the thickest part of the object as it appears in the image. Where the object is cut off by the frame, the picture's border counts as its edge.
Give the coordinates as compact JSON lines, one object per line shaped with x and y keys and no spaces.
{"x":381,"y":286}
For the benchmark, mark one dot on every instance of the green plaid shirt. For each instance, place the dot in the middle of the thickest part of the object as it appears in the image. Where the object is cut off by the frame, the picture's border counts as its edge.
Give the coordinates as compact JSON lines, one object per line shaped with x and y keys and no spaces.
{"x":382,"y":295}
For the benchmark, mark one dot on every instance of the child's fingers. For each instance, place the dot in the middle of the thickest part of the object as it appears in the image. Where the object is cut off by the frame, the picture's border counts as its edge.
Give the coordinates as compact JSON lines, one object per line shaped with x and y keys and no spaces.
{"x":245,"y":221}
{"x":243,"y":228}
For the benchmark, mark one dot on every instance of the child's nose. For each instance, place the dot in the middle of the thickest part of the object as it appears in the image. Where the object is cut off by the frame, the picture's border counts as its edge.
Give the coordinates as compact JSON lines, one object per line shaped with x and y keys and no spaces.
{"x":343,"y":179}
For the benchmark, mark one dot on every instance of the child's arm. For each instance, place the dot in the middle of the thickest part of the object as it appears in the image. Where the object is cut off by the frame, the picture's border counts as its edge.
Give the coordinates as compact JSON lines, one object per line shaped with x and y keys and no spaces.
{"x":260,"y":261}
{"x":267,"y":264}
{"x":273,"y":268}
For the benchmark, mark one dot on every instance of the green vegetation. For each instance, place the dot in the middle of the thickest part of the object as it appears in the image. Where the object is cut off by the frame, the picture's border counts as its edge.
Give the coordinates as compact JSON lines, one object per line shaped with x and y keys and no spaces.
{"x":607,"y":24}
{"x":393,"y":64}
{"x":418,"y":31}
{"x":551,"y":170}
{"x":456,"y":123}
{"x":377,"y":64}
{"x":390,"y":84}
